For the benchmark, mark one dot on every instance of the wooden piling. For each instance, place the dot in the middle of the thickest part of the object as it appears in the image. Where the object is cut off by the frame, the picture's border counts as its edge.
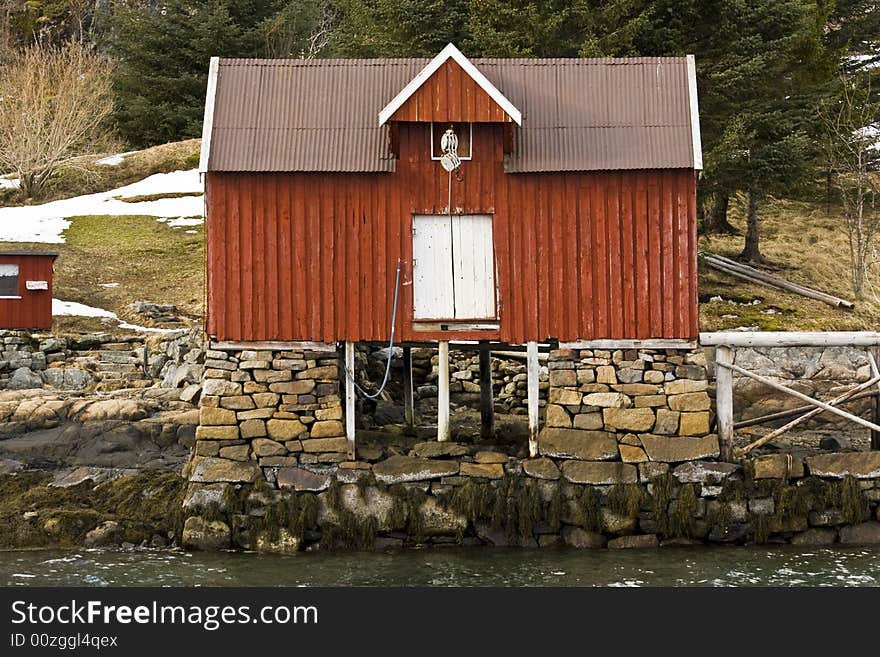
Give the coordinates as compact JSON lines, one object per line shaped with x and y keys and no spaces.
{"x":408,"y":404}
{"x":533,"y":369}
{"x":487,"y":398}
{"x":349,"y":399}
{"x":443,"y":392}
{"x":724,"y":400}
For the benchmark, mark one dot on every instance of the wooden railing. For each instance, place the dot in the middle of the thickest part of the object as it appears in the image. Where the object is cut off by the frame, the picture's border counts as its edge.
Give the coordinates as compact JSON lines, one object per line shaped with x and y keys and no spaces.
{"x":726,"y":342}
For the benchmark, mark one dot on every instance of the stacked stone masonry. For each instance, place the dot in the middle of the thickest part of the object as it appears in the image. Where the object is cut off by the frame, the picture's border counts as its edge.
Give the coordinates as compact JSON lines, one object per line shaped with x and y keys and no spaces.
{"x":632,"y":406}
{"x":269,"y":415}
{"x":100,"y":362}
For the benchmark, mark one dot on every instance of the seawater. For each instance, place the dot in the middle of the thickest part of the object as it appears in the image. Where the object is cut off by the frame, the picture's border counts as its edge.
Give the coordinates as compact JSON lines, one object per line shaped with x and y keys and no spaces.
{"x":735,"y":566}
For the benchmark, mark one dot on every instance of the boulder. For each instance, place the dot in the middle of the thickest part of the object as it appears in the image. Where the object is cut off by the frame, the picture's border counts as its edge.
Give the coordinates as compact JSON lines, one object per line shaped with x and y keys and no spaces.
{"x":694,"y":424}
{"x":67,"y":378}
{"x":577,"y":537}
{"x":205,"y":496}
{"x":399,"y":469}
{"x":861,"y":465}
{"x":629,"y":419}
{"x":107,"y":533}
{"x":435,"y":449}
{"x":632,"y":454}
{"x":815,"y":536}
{"x":640,"y":541}
{"x":704,"y":472}
{"x":577,"y":444}
{"x":866,"y":533}
{"x":267,"y":447}
{"x":672,"y":449}
{"x":541,"y":468}
{"x":300,"y":479}
{"x":201,"y":534}
{"x":112,"y":409}
{"x":23,"y":379}
{"x":437,"y":520}
{"x":285,"y":429}
{"x":212,"y":469}
{"x":607,"y":400}
{"x":487,"y":470}
{"x":778,"y":466}
{"x":599,"y":473}
{"x":834,"y":443}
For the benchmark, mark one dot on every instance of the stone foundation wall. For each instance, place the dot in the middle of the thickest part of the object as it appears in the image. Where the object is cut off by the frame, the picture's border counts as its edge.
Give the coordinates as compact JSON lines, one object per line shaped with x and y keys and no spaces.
{"x":274,"y":416}
{"x":449,"y":493}
{"x":633,"y":406}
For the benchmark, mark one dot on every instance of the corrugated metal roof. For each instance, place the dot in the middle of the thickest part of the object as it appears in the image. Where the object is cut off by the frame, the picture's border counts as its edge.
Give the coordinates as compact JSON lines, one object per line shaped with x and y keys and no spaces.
{"x":578,"y":114}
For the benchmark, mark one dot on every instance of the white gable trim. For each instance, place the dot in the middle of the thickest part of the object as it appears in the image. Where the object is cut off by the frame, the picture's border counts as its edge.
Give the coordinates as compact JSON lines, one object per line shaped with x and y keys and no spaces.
{"x":208,"y":123}
{"x":695,"y":113}
{"x":450,"y":51}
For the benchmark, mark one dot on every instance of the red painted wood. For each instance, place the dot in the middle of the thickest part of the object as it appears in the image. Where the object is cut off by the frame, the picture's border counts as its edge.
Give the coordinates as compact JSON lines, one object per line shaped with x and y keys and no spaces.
{"x":450,"y":95}
{"x":34,"y":309}
{"x":579,"y":255}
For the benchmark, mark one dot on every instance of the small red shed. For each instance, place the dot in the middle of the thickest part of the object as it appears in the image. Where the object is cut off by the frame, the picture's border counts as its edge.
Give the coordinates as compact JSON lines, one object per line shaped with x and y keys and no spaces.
{"x":26,"y":290}
{"x":571,"y":214}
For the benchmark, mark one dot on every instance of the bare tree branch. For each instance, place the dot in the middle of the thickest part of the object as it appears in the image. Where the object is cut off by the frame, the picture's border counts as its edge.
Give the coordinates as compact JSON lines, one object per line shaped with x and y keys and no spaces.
{"x":53,"y":104}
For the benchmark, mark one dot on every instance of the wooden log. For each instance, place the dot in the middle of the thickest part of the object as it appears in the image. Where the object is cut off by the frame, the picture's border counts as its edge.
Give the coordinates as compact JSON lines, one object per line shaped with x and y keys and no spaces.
{"x":754,"y":275}
{"x":533,"y":369}
{"x":803,"y":418}
{"x":487,"y":398}
{"x":800,"y":395}
{"x":791,"y":338}
{"x":800,"y":410}
{"x":409,"y":415}
{"x":724,"y":401}
{"x":349,"y":400}
{"x":443,"y":392}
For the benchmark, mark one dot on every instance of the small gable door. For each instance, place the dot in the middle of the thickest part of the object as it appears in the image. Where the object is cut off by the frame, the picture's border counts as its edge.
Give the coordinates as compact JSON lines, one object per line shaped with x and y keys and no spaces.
{"x":453,"y":268}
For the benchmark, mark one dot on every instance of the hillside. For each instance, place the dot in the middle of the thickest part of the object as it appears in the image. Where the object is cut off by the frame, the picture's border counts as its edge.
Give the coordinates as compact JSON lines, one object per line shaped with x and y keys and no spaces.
{"x":136,"y":234}
{"x":805,"y":243}
{"x":140,"y":237}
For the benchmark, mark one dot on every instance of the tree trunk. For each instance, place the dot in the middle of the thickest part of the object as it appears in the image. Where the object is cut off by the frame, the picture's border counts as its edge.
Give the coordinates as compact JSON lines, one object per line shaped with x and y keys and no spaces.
{"x":716,"y":220}
{"x":751,"y":251}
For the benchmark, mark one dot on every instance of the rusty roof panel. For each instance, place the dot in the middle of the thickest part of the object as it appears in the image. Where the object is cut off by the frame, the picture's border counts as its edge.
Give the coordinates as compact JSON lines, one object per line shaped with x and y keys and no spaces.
{"x":578,"y":114}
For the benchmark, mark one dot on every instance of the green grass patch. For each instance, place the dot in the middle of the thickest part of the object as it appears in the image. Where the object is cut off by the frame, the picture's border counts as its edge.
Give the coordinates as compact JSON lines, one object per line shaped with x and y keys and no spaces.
{"x":148,"y":259}
{"x":143,"y":198}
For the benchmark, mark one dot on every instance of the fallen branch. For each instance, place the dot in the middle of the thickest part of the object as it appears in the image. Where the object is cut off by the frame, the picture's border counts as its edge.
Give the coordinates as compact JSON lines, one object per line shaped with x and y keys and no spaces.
{"x":759,"y":277}
{"x":794,"y":412}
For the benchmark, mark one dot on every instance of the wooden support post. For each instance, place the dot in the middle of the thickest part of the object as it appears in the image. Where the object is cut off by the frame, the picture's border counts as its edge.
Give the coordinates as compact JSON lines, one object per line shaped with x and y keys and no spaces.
{"x":349,"y":399}
{"x":409,"y":415}
{"x":874,"y":356}
{"x":443,"y":392}
{"x":487,"y":398}
{"x":533,"y":369}
{"x":724,"y":400}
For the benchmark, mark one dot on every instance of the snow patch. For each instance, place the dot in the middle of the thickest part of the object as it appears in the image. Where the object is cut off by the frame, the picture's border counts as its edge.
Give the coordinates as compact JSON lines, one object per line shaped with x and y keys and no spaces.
{"x":47,"y":222}
{"x":114,"y":160}
{"x":8,"y":182}
{"x":72,"y":308}
{"x":182,"y":221}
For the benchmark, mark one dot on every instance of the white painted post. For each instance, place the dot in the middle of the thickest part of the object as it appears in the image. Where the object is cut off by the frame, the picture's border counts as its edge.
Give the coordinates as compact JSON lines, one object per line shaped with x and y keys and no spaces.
{"x":724,"y":399}
{"x":533,"y":368}
{"x":443,"y":392}
{"x":349,"y":398}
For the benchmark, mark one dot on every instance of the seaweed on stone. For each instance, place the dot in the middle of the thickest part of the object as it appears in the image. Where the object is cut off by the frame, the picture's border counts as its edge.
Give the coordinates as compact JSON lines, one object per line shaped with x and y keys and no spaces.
{"x":626,"y":499}
{"x":661,"y":495}
{"x":681,"y":521}
{"x":554,"y":509}
{"x":589,"y":508}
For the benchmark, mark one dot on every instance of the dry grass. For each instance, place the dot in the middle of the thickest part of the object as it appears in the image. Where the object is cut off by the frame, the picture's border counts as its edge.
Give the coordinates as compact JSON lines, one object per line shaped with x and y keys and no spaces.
{"x":807,"y":244}
{"x":87,"y":177}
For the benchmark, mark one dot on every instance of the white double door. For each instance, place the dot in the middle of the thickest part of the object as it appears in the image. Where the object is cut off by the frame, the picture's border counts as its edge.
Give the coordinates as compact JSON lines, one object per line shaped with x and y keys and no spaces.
{"x":453,"y":267}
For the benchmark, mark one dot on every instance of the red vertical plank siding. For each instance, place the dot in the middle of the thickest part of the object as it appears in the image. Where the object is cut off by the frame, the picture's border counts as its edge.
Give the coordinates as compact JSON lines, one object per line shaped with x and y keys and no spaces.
{"x":34,"y":309}
{"x":578,"y":255}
